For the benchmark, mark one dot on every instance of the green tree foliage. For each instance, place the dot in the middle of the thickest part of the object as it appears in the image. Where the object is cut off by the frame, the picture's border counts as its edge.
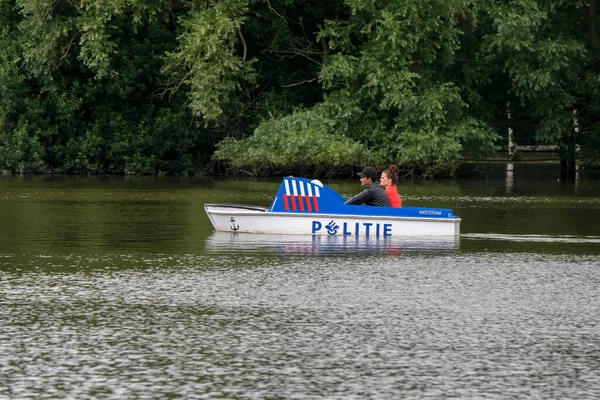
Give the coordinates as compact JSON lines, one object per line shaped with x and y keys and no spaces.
{"x":393,"y":65}
{"x":205,"y":59}
{"x":549,"y":53}
{"x":301,"y":143}
{"x":387,"y":84}
{"x":81,"y":86}
{"x":20,"y":150}
{"x":289,"y":86}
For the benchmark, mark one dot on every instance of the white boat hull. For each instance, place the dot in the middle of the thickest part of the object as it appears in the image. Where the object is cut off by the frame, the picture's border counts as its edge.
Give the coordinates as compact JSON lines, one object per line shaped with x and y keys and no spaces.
{"x":229,"y":218}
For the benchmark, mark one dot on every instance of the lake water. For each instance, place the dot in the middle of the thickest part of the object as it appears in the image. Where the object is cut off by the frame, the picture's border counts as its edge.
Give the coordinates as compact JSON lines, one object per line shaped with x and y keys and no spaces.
{"x":119,"y":288}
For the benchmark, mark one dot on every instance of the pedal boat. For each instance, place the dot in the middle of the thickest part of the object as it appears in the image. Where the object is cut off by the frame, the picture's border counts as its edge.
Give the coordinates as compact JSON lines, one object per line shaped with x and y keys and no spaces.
{"x":304,"y":206}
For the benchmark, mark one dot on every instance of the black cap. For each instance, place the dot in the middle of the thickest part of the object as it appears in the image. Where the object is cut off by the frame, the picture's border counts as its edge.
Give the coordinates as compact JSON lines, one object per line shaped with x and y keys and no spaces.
{"x":369,"y":172}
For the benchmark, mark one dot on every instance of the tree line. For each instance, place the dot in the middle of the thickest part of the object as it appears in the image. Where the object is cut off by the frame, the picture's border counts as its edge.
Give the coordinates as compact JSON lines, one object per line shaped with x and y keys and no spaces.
{"x":293,"y":86}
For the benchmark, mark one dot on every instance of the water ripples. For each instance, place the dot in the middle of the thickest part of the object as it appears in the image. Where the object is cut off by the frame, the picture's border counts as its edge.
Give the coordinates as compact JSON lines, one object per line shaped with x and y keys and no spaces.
{"x":499,"y":200}
{"x":245,"y":325}
{"x":569,"y":239}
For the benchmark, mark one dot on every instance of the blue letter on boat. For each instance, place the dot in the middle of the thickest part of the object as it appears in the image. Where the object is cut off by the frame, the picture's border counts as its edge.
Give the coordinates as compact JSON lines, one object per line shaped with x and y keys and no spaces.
{"x":387,"y":230}
{"x":346,"y":229}
{"x":316,"y":226}
{"x":367,"y":226}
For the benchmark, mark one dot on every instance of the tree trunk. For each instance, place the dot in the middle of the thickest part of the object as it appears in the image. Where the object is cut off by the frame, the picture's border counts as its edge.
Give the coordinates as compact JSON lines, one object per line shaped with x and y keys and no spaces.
{"x":512,"y":146}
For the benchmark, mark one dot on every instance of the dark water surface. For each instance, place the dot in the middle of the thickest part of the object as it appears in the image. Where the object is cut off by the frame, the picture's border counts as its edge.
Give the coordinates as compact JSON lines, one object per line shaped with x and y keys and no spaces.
{"x":119,"y":288}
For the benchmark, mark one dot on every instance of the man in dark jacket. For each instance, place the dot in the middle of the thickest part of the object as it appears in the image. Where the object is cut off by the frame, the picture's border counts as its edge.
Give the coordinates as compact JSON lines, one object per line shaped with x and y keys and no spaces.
{"x":372,"y":194}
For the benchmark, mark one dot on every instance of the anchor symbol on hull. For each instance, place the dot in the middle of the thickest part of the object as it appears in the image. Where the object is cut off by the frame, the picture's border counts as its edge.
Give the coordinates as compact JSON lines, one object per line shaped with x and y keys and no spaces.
{"x":233,"y":226}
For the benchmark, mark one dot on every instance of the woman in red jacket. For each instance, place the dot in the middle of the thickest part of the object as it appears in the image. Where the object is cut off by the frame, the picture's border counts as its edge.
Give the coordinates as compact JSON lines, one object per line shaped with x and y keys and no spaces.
{"x":388,"y":180}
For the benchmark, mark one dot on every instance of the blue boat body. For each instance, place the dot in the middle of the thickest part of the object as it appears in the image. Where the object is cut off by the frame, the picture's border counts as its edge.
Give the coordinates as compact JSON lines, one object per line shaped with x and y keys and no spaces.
{"x":306,"y":196}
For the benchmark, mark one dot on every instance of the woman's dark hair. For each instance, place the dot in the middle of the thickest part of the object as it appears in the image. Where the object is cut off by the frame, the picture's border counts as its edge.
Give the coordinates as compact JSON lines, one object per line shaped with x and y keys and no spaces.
{"x":392,"y":172}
